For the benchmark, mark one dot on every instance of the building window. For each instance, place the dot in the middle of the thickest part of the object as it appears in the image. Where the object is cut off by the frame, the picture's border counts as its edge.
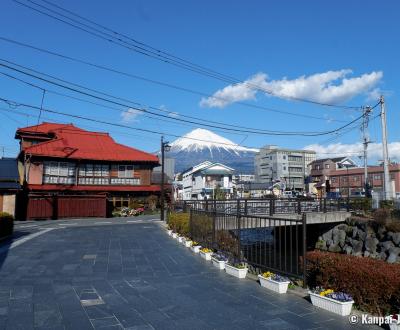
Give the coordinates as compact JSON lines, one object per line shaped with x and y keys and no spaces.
{"x":317,"y":167}
{"x":327,"y":166}
{"x":59,"y":173}
{"x":94,"y":174}
{"x":125,"y":171}
{"x":377,"y":176}
{"x":284,"y":168}
{"x":334,"y":180}
{"x":295,"y":158}
{"x":356,"y":178}
{"x":284,"y":156}
{"x":391,"y":176}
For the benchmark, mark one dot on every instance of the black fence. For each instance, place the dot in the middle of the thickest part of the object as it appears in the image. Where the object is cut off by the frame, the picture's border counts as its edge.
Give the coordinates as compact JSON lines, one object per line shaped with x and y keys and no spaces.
{"x":265,"y":243}
{"x":273,"y":206}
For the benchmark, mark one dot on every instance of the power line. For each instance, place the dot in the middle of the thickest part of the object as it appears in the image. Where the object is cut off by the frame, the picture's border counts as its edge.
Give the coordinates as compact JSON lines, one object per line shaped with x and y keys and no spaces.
{"x":15,"y":104}
{"x":150,"y":51}
{"x":259,"y":132}
{"x":160,"y":83}
{"x":129,"y":127}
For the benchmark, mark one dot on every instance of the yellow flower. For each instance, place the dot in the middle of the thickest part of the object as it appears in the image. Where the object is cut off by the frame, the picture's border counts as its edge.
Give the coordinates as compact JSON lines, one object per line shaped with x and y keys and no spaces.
{"x":267,"y":274}
{"x":205,"y":250}
{"x":326,"y":292}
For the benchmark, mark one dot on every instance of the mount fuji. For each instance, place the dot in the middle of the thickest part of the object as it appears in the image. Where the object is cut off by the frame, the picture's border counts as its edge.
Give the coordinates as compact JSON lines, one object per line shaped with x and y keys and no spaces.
{"x":200,"y":145}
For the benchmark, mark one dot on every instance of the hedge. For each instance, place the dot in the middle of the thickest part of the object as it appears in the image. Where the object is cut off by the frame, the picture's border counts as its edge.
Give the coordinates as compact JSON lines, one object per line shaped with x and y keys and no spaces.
{"x":6,"y":224}
{"x":374,"y":284}
{"x":179,"y":222}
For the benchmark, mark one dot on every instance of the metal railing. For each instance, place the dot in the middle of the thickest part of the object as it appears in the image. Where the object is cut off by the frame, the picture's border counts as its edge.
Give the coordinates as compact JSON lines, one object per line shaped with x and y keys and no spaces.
{"x":273,"y":206}
{"x":263,"y":242}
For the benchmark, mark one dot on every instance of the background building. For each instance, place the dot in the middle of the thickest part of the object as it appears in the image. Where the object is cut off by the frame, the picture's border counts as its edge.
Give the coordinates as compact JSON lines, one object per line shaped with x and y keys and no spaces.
{"x":203,"y":180}
{"x":71,"y":172}
{"x":9,"y":185}
{"x":273,"y":164}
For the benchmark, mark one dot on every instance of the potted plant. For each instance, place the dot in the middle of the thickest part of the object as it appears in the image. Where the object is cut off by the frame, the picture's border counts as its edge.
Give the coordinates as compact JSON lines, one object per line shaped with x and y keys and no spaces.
{"x":218,"y":260}
{"x":395,"y":322}
{"x":188,"y":242}
{"x":237,"y":269}
{"x":274,"y":282}
{"x":169,"y":231}
{"x":179,"y":238}
{"x":195,"y":247}
{"x":336,"y":302}
{"x":206,"y":253}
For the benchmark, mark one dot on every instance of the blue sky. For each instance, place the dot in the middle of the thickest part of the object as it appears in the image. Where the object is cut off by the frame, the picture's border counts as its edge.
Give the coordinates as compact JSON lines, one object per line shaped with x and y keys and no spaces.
{"x":296,"y":48}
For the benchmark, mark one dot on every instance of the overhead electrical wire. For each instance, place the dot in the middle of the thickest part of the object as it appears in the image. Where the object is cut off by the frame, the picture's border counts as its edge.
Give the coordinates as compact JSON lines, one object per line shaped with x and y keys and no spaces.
{"x":16,"y":105}
{"x":160,"y":83}
{"x":143,"y":108}
{"x":144,"y":49}
{"x":256,"y":131}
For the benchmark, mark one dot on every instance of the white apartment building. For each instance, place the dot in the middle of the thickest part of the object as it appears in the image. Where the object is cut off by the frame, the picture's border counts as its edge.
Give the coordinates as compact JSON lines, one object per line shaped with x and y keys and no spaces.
{"x":200,"y":181}
{"x":273,"y":164}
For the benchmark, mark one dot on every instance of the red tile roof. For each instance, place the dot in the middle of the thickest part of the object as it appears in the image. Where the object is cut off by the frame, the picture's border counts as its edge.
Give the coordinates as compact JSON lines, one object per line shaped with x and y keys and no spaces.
{"x":75,"y":143}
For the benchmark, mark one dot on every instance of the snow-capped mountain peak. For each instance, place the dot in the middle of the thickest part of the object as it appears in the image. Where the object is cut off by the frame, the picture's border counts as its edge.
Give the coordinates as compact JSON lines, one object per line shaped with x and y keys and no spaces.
{"x":200,"y":139}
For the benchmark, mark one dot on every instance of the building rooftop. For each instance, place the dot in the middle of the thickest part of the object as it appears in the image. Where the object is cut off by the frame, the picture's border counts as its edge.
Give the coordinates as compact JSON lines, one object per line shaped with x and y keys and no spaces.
{"x":72,"y":142}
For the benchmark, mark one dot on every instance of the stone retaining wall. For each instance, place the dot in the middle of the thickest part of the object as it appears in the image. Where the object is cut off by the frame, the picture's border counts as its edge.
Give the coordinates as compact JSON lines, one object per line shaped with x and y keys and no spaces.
{"x":362,"y":238}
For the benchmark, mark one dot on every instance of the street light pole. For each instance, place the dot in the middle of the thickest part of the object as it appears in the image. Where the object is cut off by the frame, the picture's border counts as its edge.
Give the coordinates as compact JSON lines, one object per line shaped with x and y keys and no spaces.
{"x":348,"y":188}
{"x":164,"y":147}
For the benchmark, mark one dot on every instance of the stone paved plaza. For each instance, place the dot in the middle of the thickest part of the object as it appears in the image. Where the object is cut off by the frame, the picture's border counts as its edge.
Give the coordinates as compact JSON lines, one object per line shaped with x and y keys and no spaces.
{"x":121,"y":274}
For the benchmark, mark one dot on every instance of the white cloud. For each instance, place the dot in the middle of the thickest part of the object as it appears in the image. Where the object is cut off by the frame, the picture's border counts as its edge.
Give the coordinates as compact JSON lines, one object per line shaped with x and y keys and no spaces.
{"x":130,"y":115}
{"x":327,"y":87}
{"x":356,"y":149}
{"x":173,"y":114}
{"x":234,"y":93}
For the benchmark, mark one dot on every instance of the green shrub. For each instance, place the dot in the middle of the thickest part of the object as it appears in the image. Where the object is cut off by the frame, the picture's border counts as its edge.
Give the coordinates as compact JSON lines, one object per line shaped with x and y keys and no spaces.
{"x":386,"y":204}
{"x":361,"y":204}
{"x":373,"y":284}
{"x":179,"y":222}
{"x":152,"y":202}
{"x":6,"y":224}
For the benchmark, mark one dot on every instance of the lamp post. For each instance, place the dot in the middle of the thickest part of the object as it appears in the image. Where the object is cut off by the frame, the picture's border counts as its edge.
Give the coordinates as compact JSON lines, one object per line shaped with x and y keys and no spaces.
{"x":165,"y":147}
{"x":348,"y":188}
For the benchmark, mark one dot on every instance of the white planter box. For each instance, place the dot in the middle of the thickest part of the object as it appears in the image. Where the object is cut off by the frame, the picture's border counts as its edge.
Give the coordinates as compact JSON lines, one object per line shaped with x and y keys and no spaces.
{"x":169,"y":231}
{"x":180,"y":239}
{"x":205,"y":255}
{"x":237,"y":272}
{"x":174,"y":235}
{"x":188,"y":244}
{"x":218,"y":264}
{"x":394,"y":326}
{"x":334,"y":306}
{"x":196,"y":249}
{"x":278,"y":287}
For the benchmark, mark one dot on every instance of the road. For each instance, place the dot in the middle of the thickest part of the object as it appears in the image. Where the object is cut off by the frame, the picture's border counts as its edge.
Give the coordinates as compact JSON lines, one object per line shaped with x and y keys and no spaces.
{"x":127,"y":273}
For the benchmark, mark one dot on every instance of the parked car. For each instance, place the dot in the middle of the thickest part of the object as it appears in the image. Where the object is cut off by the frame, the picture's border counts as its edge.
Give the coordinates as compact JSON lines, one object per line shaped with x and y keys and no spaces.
{"x":288,"y":194}
{"x":333,"y":195}
{"x":357,"y":194}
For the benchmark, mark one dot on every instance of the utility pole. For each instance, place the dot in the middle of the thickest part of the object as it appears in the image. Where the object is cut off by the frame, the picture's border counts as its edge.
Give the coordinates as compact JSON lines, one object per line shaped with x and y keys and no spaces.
{"x":162,"y":180}
{"x":386,"y":182}
{"x":366,"y":141}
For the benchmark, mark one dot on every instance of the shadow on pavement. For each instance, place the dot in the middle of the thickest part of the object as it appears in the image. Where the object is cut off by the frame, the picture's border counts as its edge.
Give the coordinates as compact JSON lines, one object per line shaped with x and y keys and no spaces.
{"x":6,"y":243}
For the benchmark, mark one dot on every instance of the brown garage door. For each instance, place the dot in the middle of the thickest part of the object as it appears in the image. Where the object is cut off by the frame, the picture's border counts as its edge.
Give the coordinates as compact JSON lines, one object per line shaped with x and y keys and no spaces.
{"x":57,"y":207}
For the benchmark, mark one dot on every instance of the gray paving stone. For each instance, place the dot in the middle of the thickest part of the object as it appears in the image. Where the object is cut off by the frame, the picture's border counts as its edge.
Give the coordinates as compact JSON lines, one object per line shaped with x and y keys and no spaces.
{"x":143,"y":279}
